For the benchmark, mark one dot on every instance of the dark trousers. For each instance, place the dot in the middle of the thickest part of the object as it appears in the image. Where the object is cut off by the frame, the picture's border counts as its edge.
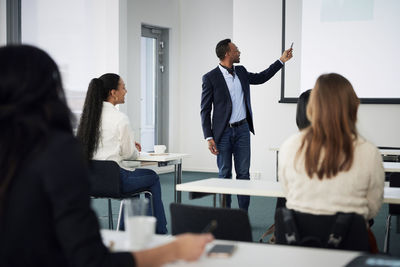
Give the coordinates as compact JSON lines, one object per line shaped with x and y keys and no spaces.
{"x":235,"y":142}
{"x":148,"y":180}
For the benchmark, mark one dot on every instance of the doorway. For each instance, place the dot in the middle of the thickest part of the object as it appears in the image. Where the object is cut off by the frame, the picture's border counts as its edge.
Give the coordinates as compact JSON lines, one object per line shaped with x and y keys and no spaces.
{"x":154,"y":87}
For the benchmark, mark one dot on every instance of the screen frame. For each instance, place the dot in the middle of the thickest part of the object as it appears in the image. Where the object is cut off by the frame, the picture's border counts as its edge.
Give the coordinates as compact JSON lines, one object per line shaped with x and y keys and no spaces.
{"x":284,"y":99}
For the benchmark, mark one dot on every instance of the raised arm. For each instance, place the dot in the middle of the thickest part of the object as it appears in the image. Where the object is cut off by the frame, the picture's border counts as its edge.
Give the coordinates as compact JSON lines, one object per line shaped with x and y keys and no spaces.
{"x":262,"y":77}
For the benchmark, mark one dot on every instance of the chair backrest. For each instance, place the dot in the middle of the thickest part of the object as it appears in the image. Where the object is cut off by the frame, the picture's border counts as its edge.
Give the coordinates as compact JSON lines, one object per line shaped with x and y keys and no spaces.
{"x":394,"y":181}
{"x":389,"y":157}
{"x":104,"y":179}
{"x":232,"y":224}
{"x":346,"y":231}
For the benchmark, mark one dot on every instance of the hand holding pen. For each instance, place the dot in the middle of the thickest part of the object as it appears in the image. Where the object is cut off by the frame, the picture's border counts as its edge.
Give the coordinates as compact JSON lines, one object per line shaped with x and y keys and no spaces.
{"x":210,"y":227}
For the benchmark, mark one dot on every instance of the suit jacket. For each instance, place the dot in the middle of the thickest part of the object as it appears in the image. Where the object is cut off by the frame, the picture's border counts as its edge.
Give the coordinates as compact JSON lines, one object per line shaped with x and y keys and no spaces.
{"x":215,"y":97}
{"x":47,"y":219}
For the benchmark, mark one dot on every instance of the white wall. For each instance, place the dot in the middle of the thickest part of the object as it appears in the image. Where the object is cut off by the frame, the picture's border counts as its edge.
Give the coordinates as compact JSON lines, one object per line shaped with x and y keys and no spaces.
{"x":257,"y":32}
{"x":161,"y":13}
{"x":84,"y":47}
{"x":195,"y":28}
{"x":199,"y":35}
{"x":256,"y":29}
{"x":3,"y":22}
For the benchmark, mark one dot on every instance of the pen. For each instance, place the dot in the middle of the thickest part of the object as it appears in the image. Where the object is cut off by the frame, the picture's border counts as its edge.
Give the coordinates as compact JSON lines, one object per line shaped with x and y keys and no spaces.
{"x":210,"y":227}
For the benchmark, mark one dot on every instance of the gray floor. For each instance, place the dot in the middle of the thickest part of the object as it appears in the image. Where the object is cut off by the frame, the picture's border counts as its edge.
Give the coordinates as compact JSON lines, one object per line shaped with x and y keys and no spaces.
{"x":261,"y":210}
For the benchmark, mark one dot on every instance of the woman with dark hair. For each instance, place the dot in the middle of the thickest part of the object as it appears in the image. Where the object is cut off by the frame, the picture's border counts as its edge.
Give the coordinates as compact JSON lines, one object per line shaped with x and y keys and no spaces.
{"x":328,"y":167}
{"x":106,"y":134}
{"x":45,"y":214}
{"x":302,"y":123}
{"x":301,"y":114}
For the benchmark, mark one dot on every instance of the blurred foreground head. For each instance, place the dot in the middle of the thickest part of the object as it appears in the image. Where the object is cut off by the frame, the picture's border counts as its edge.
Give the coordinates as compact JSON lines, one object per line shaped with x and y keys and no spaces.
{"x":32,"y":104}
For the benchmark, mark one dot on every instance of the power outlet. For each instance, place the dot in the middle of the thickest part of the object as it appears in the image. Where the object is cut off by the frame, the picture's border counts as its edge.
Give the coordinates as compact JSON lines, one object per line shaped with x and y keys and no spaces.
{"x":255,"y":175}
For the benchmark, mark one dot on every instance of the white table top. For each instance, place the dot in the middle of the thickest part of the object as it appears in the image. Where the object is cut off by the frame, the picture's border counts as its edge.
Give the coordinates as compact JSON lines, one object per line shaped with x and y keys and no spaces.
{"x":250,"y":254}
{"x":390,"y":151}
{"x":258,"y":188}
{"x":383,"y":151}
{"x":237,"y":187}
{"x":391,"y":195}
{"x":391,"y":166}
{"x":160,"y":157}
{"x":117,"y":240}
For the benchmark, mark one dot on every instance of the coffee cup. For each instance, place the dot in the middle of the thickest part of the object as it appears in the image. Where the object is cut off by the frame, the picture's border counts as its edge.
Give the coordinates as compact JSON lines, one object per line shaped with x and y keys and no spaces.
{"x":159,"y":149}
{"x":140,"y":228}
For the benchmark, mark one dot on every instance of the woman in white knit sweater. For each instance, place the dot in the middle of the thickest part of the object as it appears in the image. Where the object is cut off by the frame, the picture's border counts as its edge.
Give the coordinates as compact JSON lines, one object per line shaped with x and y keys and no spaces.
{"x":328,"y":167}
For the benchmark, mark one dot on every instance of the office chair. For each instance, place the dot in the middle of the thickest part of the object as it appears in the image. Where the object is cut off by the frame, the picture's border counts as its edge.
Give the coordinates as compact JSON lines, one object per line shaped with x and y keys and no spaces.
{"x":345,"y":231}
{"x":105,"y":183}
{"x":394,"y":210}
{"x":232,"y":224}
{"x":280,"y":203}
{"x":197,"y":195}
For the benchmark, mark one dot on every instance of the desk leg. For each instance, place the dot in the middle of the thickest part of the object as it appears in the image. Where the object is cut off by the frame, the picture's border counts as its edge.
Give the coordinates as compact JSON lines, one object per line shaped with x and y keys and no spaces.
{"x":398,"y":224}
{"x":175,"y":174}
{"x":277,"y":163}
{"x":179,"y":181}
{"x":222,"y":200}
{"x":215,"y":201}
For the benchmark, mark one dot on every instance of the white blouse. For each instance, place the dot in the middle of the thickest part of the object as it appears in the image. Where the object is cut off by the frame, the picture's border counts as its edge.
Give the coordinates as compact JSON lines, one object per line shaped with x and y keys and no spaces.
{"x":117,"y":141}
{"x":358,"y":190}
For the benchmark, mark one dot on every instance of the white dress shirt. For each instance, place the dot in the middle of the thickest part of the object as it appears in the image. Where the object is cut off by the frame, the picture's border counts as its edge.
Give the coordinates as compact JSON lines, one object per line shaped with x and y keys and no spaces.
{"x":117,"y":141}
{"x":359,"y":190}
{"x":236,"y":93}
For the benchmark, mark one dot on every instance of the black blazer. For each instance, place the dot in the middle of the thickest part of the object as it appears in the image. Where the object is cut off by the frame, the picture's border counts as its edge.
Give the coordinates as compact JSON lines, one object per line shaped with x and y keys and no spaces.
{"x":47,"y":219}
{"x":215,"y":95}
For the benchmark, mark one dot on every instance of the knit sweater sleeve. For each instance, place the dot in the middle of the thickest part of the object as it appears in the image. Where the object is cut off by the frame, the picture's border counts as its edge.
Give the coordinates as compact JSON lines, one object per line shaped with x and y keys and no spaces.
{"x":376,"y":184}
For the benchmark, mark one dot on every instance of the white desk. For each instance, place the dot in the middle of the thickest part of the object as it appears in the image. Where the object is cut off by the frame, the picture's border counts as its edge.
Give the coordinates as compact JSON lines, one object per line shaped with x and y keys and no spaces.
{"x":391,"y":166}
{"x":258,"y":188}
{"x":390,"y":151}
{"x":382,"y":151}
{"x":388,"y":166}
{"x":250,"y":254}
{"x":165,"y":159}
{"x":236,"y":187}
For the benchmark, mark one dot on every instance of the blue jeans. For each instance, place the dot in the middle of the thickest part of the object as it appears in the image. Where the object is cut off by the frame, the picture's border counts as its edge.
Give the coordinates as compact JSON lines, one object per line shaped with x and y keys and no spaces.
{"x":236,"y":142}
{"x":147,"y":180}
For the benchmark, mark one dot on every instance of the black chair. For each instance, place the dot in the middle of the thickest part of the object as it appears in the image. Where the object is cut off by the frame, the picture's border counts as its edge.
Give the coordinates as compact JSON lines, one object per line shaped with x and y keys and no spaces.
{"x":346,"y":231}
{"x":197,"y":195}
{"x":280,"y":203}
{"x":105,"y":183}
{"x":232,"y":224}
{"x":394,"y":210}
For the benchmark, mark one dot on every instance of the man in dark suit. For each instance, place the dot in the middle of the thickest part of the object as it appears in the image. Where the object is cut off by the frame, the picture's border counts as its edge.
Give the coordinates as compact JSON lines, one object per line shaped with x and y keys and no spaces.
{"x":226,"y":92}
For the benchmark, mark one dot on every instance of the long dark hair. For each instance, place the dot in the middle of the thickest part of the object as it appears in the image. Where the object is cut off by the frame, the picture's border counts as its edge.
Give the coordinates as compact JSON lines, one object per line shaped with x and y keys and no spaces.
{"x":32,"y":103}
{"x":301,"y":111}
{"x":89,"y":126}
{"x":328,"y":142}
